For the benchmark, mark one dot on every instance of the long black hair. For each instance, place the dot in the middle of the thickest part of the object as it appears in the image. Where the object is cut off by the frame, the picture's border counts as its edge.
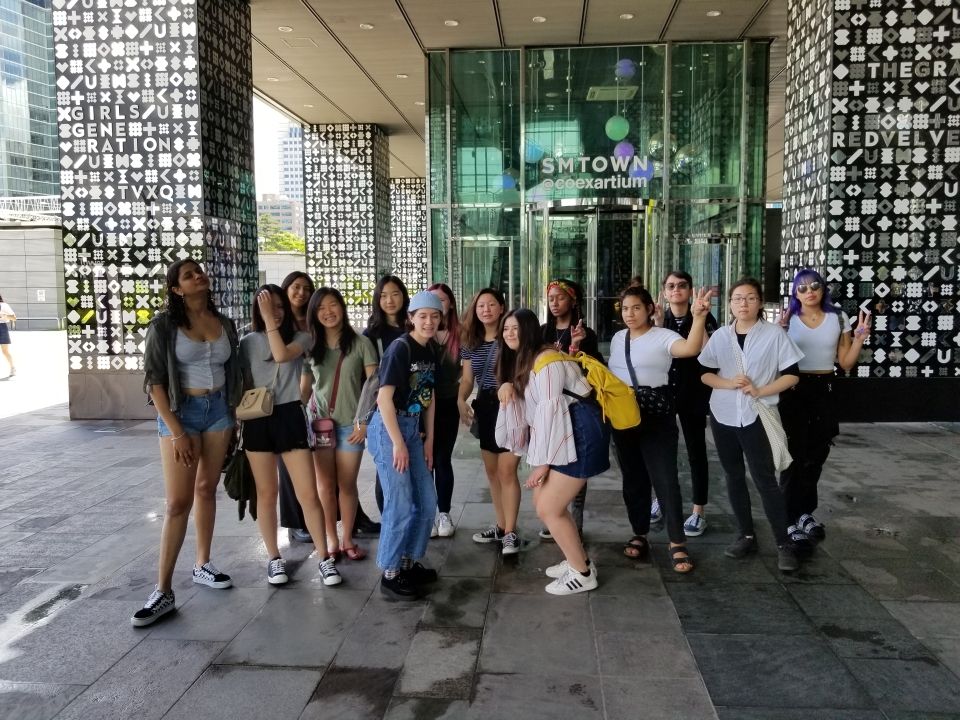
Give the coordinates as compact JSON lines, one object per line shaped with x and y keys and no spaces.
{"x":319,"y":333}
{"x":645,"y":297}
{"x":174,"y":303}
{"x":378,"y":318}
{"x":472,"y":331}
{"x":514,"y":366}
{"x":287,"y":330}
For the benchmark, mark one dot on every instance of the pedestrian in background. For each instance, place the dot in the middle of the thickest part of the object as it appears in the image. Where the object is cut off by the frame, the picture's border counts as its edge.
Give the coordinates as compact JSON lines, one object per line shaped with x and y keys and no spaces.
{"x":7,"y":316}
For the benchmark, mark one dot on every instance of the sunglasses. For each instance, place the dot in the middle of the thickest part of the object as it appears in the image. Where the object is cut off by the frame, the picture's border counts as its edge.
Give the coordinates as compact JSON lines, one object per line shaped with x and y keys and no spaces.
{"x":679,"y":285}
{"x":812,"y":286}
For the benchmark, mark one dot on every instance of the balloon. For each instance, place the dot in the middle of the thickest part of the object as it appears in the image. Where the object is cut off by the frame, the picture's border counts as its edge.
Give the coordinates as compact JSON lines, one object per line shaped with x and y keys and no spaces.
{"x":623,"y":149}
{"x":508,"y":182}
{"x":533,"y":153}
{"x":639,"y":171}
{"x":617,"y":128}
{"x":625,"y":68}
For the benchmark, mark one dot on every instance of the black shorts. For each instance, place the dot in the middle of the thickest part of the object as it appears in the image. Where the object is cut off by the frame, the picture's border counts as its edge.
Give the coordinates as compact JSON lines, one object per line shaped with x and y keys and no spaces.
{"x":284,"y":430}
{"x":486,"y":406}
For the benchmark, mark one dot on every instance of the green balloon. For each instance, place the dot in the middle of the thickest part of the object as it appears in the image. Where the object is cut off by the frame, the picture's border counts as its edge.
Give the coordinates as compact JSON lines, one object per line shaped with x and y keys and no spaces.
{"x":617,"y":128}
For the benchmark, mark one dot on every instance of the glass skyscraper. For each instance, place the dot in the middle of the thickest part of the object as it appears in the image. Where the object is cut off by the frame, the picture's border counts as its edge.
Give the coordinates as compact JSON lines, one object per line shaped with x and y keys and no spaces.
{"x":28,"y":131}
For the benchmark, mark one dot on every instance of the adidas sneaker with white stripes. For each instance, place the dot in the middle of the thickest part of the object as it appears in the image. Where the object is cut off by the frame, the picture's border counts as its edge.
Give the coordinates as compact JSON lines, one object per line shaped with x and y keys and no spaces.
{"x":572,"y":582}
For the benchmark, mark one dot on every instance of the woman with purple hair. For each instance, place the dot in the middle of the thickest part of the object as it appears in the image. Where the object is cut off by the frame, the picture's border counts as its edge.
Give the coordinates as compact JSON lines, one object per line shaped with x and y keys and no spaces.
{"x":824,"y":334}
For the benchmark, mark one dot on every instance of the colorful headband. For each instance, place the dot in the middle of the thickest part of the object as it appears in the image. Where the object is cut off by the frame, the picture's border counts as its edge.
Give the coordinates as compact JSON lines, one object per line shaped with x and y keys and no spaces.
{"x":560,"y":285}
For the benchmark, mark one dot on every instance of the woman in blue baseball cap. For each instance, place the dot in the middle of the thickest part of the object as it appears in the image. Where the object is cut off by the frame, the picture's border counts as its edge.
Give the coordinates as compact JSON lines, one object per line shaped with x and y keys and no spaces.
{"x":404,"y":460}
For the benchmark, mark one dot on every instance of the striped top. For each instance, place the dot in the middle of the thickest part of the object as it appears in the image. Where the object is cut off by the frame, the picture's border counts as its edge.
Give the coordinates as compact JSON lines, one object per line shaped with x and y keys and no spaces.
{"x":548,"y":413}
{"x":483,"y":361}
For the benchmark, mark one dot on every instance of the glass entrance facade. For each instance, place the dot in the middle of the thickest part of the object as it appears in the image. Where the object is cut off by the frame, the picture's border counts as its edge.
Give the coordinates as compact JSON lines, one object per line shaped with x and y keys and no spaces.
{"x":596,"y":164}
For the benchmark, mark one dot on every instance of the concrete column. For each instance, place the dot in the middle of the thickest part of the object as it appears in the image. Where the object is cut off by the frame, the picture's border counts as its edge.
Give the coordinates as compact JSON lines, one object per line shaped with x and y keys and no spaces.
{"x":346,"y":209}
{"x":154,"y":107}
{"x":871,"y":179}
{"x":408,"y":231}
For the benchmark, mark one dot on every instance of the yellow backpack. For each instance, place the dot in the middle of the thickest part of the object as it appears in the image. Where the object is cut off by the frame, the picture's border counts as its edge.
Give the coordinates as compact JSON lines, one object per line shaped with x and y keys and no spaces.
{"x":615,"y":398}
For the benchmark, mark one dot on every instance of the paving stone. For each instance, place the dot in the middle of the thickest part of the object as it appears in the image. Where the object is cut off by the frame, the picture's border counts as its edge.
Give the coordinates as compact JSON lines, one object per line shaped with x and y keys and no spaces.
{"x":402,"y":708}
{"x":246,"y":693}
{"x":776,"y":670}
{"x":11,"y":577}
{"x":212,"y":615}
{"x":381,"y":635}
{"x":769,"y":713}
{"x":557,"y":696}
{"x":920,"y":685}
{"x":927,"y":619}
{"x":643,"y":613}
{"x":674,"y":698}
{"x":35,"y":701}
{"x":947,"y":650}
{"x":821,"y":569}
{"x":712,"y":567}
{"x":730,"y":609}
{"x":871,"y":637}
{"x":441,"y":663}
{"x":302,"y":629}
{"x":466,"y":558}
{"x":157,"y":688}
{"x":837,"y":601}
{"x":652,"y":655}
{"x":563,"y":636}
{"x":902,"y":579}
{"x":352,"y":694}
{"x":36,"y":523}
{"x":457,"y":602}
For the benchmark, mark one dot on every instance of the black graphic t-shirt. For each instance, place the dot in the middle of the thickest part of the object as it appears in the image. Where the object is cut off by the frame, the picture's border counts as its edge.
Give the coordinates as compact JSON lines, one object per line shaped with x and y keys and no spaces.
{"x":411,"y":369}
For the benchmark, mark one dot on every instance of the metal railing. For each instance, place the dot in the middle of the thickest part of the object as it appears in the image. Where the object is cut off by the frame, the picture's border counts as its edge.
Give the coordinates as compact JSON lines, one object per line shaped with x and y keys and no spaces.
{"x":30,"y":208}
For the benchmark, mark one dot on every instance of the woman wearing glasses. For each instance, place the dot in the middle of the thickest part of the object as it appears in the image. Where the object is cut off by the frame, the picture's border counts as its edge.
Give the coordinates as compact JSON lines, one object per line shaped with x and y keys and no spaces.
{"x":824,"y":335}
{"x":692,"y":396}
{"x":746,"y":362}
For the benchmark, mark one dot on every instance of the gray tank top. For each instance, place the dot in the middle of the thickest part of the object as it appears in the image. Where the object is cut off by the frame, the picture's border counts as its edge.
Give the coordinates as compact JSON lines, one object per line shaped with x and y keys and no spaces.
{"x":201,"y":364}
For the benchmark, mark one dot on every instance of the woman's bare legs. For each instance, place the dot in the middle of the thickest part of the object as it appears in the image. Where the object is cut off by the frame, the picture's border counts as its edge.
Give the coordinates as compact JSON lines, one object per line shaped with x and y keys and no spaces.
{"x":325,"y":467}
{"x":348,"y":467}
{"x":179,"y":484}
{"x":490,"y":467}
{"x":509,"y":484}
{"x":552,"y":500}
{"x":213,"y":450}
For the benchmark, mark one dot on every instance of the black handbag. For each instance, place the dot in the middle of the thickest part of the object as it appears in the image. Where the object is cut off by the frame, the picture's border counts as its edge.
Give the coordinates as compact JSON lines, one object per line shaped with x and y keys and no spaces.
{"x":475,"y":425}
{"x":653,"y":401}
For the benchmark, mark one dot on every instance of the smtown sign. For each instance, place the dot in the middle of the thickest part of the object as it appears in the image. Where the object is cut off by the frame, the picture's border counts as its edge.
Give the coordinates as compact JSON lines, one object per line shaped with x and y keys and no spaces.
{"x":630,"y":171}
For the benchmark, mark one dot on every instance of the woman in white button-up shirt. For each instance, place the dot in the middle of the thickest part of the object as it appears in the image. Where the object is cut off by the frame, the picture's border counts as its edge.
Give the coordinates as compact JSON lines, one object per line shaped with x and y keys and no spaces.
{"x":769,"y":361}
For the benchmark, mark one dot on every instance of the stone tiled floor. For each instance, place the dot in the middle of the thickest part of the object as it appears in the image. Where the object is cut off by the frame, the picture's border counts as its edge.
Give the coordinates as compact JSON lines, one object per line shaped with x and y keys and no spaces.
{"x":869,"y":629}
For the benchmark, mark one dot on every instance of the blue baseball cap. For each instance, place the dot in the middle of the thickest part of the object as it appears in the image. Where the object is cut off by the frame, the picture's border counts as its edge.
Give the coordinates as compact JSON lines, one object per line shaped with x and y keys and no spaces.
{"x":425,"y":300}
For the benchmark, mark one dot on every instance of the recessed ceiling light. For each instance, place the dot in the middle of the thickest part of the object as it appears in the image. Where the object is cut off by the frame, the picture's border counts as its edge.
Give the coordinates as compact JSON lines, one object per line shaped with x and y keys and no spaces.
{"x":451,"y":23}
{"x":626,"y":16}
{"x":285,"y":28}
{"x":539,"y":19}
{"x":714,"y":13}
{"x":402,"y":76}
{"x":553,"y":94}
{"x":418,"y":102}
{"x":273,"y":79}
{"x":366,"y":26}
{"x":307,"y":105}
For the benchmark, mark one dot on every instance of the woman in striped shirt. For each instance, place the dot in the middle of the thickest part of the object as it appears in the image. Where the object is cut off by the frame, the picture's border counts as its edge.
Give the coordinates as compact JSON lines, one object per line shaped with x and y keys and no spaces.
{"x":478,"y":355}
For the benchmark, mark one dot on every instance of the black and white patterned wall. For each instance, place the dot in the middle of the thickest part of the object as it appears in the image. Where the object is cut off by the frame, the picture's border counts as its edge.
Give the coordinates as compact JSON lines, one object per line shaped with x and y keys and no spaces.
{"x":888,"y":228}
{"x":346,"y":208}
{"x":148,"y":174}
{"x":408,"y":230}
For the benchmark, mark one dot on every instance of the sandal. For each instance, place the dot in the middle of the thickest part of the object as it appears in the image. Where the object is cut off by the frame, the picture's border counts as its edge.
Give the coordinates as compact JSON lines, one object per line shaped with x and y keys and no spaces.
{"x":354,"y":552}
{"x":637,"y":548}
{"x":335,"y":554}
{"x":681,"y":559}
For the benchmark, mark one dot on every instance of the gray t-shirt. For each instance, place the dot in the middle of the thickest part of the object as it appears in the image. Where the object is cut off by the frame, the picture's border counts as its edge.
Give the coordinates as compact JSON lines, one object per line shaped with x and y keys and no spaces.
{"x":257,"y":362}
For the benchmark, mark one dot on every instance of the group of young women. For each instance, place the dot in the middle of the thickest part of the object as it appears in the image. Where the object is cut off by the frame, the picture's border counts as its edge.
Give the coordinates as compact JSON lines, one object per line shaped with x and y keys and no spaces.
{"x":531,"y":399}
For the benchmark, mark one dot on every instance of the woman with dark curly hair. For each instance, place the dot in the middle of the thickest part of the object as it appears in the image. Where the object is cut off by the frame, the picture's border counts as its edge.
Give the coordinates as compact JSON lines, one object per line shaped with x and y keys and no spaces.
{"x":192,"y":375}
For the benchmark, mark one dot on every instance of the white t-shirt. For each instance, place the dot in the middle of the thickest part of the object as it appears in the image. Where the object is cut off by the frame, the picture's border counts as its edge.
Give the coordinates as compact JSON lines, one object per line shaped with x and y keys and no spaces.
{"x":766,"y":351}
{"x":6,"y":313}
{"x":819,"y":344}
{"x":649,"y":355}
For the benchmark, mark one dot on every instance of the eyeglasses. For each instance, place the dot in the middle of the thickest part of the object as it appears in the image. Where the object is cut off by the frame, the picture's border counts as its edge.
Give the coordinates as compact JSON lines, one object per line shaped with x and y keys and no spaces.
{"x":812,"y":287}
{"x":738,"y":299}
{"x":681,"y":285}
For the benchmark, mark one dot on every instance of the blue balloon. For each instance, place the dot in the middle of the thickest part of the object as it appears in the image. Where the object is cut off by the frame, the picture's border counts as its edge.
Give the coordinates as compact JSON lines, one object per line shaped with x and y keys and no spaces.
{"x":625,"y":68}
{"x":508,"y":182}
{"x":533,"y":153}
{"x":639,"y":171}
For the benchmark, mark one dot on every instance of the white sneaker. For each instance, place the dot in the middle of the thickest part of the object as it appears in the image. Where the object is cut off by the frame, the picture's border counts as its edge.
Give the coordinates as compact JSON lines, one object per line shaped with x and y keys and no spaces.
{"x":445,"y":525}
{"x":572,"y":582}
{"x":157,"y":605}
{"x":207,"y":574}
{"x":434,"y":531}
{"x":557,"y":571}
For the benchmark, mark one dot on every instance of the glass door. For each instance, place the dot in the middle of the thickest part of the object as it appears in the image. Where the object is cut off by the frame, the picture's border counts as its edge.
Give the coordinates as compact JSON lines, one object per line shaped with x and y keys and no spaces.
{"x":480,"y":262}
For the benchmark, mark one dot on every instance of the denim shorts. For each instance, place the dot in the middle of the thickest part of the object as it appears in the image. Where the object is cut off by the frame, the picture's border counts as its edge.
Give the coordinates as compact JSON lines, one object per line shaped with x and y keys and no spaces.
{"x":592,"y":440}
{"x":343,"y":432}
{"x":197,"y":415}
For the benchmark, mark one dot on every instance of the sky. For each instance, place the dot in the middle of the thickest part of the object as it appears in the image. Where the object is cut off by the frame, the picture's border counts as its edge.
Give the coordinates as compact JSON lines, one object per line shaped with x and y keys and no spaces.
{"x":267,"y":123}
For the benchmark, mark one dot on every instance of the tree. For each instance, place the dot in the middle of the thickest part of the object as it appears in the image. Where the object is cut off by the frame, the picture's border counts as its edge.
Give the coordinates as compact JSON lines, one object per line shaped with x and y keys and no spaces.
{"x":283,"y":241}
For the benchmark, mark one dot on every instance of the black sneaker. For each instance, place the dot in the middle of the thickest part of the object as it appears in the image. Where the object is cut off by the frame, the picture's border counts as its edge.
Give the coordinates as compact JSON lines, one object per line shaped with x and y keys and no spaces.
{"x":787,"y":560}
{"x":490,"y":535}
{"x":157,"y":605}
{"x":741,"y":547}
{"x":510,"y":544}
{"x":277,"y":572}
{"x":399,"y":587}
{"x":207,"y":574}
{"x":420,"y":575}
{"x":366,"y":526}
